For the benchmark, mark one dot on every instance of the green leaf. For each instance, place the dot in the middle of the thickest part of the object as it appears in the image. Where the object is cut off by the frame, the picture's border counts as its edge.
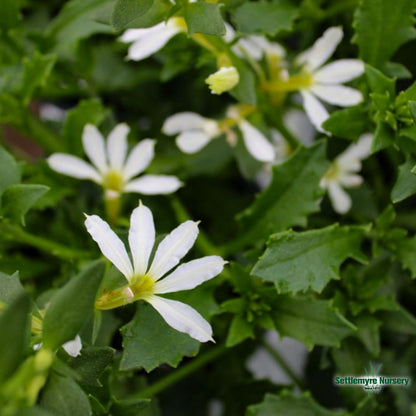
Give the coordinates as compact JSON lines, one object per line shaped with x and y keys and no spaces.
{"x":126,"y":11}
{"x":290,"y":405}
{"x":383,"y":137}
{"x":313,"y":322}
{"x":148,"y":341}
{"x":71,"y":304}
{"x":405,"y":251}
{"x":293,"y":194}
{"x":349,"y":123}
{"x":14,"y":324}
{"x":368,"y":332}
{"x":10,"y":288}
{"x":240,"y":330}
{"x":18,"y":199}
{"x":245,"y":90}
{"x":202,"y":17}
{"x":405,"y":185}
{"x":134,"y":407}
{"x":10,"y":171}
{"x":10,"y":110}
{"x":9,"y":14}
{"x":380,"y":83}
{"x":381,"y":26}
{"x":398,"y":321}
{"x":86,"y":112}
{"x":299,"y":261}
{"x":63,"y":397}
{"x":36,"y":72}
{"x":266,"y":17}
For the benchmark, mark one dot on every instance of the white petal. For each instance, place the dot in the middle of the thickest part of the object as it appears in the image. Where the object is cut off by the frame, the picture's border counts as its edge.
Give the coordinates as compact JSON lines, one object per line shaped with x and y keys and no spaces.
{"x":94,"y":147}
{"x":350,"y":159}
{"x":131,"y":35}
{"x":192,"y":141}
{"x":172,"y":248}
{"x":117,"y":146}
{"x":191,"y":274}
{"x":182,"y":122}
{"x":151,"y":42}
{"x":73,"y":166}
{"x":350,"y":180}
{"x":141,"y":237}
{"x":183,"y":318}
{"x":323,"y":48}
{"x":315,"y":110}
{"x":338,"y":94}
{"x":339,"y":72}
{"x":73,"y":347}
{"x":340,"y":200}
{"x":154,"y":185}
{"x":257,"y":145}
{"x":110,"y":245}
{"x":139,"y":158}
{"x":300,"y":126}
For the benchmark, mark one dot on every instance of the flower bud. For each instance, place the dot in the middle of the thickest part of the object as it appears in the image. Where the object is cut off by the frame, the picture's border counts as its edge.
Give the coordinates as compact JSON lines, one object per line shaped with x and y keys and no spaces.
{"x":223,"y":80}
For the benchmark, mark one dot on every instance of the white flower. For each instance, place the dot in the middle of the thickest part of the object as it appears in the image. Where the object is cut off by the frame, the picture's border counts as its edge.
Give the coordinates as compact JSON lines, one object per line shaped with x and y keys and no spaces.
{"x":111,"y":167}
{"x":73,"y":347}
{"x":343,"y":173}
{"x":149,"y":40}
{"x":325,"y":82}
{"x":144,"y":279}
{"x":223,"y":80}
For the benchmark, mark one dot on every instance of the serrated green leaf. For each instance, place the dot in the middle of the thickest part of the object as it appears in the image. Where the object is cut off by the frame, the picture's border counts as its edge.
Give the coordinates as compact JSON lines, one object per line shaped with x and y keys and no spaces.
{"x":381,"y":26}
{"x":383,"y":137}
{"x":14,"y":324}
{"x":9,"y":14}
{"x":290,"y":405}
{"x":313,"y":322}
{"x":63,"y":397}
{"x":405,"y":185}
{"x":126,"y":11}
{"x":10,"y":288}
{"x":405,"y":250}
{"x":202,"y":17}
{"x":349,"y":123}
{"x":399,"y":320}
{"x":239,"y":330}
{"x":293,"y":194}
{"x":18,"y":199}
{"x":10,"y":171}
{"x":71,"y":304}
{"x":299,"y":261}
{"x":148,"y":341}
{"x":265,"y":17}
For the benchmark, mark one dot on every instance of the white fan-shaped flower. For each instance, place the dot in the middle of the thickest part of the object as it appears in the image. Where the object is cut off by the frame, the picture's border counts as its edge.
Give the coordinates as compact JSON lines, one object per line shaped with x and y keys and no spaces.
{"x":111,"y":167}
{"x":325,"y":82}
{"x":145,"y":278}
{"x":343,"y":173}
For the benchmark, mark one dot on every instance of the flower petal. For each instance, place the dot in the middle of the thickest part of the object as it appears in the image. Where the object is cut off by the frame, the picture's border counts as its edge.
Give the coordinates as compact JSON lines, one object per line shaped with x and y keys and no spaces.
{"x":73,"y":347}
{"x":256,"y":143}
{"x":154,"y":185}
{"x":192,"y":141}
{"x":141,"y":237}
{"x":94,"y":147}
{"x":73,"y":166}
{"x":139,"y":158}
{"x":340,"y":71}
{"x":314,"y":110}
{"x":182,"y":122}
{"x":110,"y":245}
{"x":191,"y":274}
{"x":349,"y":180}
{"x":131,"y":35}
{"x":117,"y":146}
{"x":323,"y":48}
{"x":338,"y":95}
{"x":340,"y":200}
{"x":172,"y":248}
{"x":183,"y":318}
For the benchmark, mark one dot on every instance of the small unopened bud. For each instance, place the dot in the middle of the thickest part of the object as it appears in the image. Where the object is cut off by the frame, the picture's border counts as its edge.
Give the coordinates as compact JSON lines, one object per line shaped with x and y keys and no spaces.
{"x":223,"y":80}
{"x":43,"y":360}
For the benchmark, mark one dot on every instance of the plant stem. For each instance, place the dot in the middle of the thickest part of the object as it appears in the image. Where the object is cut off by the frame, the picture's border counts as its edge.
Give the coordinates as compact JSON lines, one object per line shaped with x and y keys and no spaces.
{"x":182,"y":372}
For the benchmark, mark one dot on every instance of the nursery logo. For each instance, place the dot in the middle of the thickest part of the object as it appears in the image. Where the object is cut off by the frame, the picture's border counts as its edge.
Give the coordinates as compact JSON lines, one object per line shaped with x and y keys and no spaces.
{"x":372,"y":382}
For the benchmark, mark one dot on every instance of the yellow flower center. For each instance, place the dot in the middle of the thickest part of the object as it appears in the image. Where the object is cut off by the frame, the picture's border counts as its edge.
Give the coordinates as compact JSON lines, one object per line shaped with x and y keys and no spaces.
{"x":113,"y":181}
{"x":333,"y":172}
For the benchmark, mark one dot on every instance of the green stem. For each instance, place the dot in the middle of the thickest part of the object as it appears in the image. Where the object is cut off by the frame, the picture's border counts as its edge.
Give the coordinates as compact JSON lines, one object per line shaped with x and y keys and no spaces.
{"x":182,"y":372}
{"x":283,"y":364}
{"x":17,"y":234}
{"x":112,"y":208}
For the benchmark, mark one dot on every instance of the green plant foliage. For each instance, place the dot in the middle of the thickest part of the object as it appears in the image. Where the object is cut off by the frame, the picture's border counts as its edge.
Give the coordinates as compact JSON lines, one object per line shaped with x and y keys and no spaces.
{"x":205,"y":18}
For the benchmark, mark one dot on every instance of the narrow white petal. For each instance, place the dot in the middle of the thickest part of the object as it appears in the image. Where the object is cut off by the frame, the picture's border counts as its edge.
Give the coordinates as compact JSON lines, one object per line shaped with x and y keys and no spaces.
{"x":182,"y":122}
{"x":183,"y":318}
{"x":94,"y":146}
{"x":192,"y":141}
{"x":151,"y":42}
{"x":340,"y":71}
{"x":314,"y":110}
{"x":256,"y":143}
{"x":110,"y":245}
{"x":349,"y":180}
{"x":73,"y":166}
{"x":172,"y":248}
{"x":191,"y":274}
{"x":323,"y":48}
{"x":154,"y":185}
{"x":141,"y":237}
{"x":139,"y":158}
{"x":117,"y":146}
{"x":300,"y":126}
{"x":350,"y":159}
{"x":338,"y":94}
{"x":131,"y":35}
{"x":73,"y":347}
{"x":340,"y":200}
